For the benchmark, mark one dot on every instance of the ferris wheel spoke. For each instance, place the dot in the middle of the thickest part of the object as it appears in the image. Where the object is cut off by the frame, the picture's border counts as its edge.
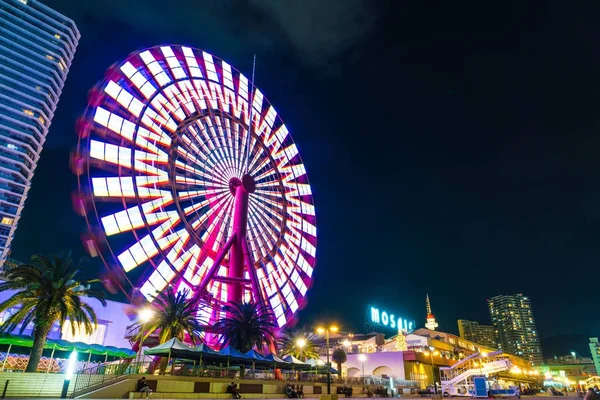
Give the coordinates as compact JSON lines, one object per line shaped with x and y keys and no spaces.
{"x":265,"y":223}
{"x":212,"y":137}
{"x":258,"y":154}
{"x":273,"y":212}
{"x":254,"y":228}
{"x":267,"y":219}
{"x":225,"y":138}
{"x":230,"y":144}
{"x":195,"y":171}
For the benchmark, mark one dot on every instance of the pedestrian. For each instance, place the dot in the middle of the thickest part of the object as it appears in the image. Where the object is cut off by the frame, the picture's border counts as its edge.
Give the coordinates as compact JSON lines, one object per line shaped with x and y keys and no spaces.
{"x":590,"y":395}
{"x":142,"y":387}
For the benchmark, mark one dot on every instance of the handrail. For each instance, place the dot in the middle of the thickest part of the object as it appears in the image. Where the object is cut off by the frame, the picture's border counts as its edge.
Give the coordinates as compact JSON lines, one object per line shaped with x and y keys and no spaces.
{"x":100,"y":374}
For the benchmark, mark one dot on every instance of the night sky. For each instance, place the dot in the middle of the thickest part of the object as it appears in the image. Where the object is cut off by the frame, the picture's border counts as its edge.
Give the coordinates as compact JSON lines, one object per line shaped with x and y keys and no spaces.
{"x":452,"y":149}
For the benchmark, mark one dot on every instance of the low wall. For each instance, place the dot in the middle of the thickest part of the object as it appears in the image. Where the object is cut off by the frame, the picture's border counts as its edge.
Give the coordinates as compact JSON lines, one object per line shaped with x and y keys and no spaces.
{"x":199,"y":388}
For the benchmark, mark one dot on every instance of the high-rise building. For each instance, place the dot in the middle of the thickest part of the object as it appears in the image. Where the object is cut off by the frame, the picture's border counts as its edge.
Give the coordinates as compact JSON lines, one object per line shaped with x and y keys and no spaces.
{"x":595,"y":350}
{"x":37,"y":45}
{"x":484,"y":335}
{"x":515,"y":328}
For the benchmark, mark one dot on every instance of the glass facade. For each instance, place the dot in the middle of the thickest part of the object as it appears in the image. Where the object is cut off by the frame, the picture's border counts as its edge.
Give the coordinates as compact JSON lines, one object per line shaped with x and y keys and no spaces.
{"x":515,"y":327}
{"x":37,"y":45}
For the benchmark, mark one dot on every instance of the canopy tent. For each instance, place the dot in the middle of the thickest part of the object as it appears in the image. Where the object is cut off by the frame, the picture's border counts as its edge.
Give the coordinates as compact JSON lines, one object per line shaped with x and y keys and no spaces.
{"x":171,"y":348}
{"x":319,"y":366}
{"x":296,"y":363}
{"x":65,"y":345}
{"x":176,"y":349}
{"x":233,"y":354}
{"x":204,"y":350}
{"x":274,"y":360}
{"x":256,"y":356}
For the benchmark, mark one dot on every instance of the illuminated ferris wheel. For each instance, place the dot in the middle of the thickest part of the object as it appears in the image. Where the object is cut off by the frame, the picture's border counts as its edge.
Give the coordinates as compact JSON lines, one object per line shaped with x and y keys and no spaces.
{"x":191,"y":186}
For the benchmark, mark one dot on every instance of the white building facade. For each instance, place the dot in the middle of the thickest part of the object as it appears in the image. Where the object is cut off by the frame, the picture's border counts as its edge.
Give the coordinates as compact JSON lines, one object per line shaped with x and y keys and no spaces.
{"x":37,"y":46}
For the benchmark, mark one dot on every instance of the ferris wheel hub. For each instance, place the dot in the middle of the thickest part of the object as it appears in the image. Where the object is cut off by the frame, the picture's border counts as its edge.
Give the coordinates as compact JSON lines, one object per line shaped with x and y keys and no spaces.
{"x":247,"y":182}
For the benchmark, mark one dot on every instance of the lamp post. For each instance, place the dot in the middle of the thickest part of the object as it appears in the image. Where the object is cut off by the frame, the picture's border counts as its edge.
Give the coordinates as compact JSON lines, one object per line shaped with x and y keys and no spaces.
{"x":431,"y":349}
{"x":68,"y":374}
{"x":326,"y":331}
{"x":144,"y":315}
{"x":362,"y":358}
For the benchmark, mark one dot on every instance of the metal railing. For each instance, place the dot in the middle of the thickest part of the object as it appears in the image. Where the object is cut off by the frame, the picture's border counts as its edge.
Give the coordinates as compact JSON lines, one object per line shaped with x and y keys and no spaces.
{"x":100,"y":374}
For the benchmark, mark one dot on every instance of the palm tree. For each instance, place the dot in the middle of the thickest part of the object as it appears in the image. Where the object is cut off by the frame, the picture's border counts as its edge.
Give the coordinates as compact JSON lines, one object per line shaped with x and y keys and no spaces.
{"x":47,"y":291}
{"x":174,"y":315}
{"x":339,"y":357}
{"x":247,"y":325}
{"x":299,"y":344}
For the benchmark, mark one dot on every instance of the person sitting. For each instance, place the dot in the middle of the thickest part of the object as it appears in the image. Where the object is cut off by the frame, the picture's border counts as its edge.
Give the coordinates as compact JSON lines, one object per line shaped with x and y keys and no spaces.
{"x":142,"y":387}
{"x":290,"y":392}
{"x":235,"y":393}
{"x":300,"y":391}
{"x":348,"y":391}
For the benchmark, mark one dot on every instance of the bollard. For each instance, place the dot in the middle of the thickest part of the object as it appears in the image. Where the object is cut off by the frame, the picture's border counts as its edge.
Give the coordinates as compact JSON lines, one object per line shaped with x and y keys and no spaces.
{"x":5,"y":388}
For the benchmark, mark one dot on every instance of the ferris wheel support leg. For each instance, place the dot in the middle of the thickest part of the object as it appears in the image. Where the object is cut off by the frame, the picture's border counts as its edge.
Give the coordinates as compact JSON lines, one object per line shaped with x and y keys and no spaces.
{"x":218,"y":260}
{"x":256,"y":293}
{"x":235,"y":292}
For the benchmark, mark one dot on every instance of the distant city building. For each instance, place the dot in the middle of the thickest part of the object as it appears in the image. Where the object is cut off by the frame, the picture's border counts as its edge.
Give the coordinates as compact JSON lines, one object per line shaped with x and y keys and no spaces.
{"x":595,"y":350}
{"x":515,"y":328}
{"x":484,"y":335}
{"x":430,"y":324}
{"x":37,"y":45}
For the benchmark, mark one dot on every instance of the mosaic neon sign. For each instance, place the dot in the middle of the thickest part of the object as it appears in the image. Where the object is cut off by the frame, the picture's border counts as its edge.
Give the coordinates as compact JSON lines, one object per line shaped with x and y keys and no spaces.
{"x":386,"y":319}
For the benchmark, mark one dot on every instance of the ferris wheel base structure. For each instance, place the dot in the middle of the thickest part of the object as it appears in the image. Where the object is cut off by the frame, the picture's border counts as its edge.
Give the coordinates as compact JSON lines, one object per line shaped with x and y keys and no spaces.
{"x":189,"y":178}
{"x":237,"y":245}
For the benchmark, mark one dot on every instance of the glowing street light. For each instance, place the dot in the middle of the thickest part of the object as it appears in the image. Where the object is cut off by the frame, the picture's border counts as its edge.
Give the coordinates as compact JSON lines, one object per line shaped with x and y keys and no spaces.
{"x":321,"y":330}
{"x":301,"y":342}
{"x":69,"y":374}
{"x":144,"y":316}
{"x":362,"y":358}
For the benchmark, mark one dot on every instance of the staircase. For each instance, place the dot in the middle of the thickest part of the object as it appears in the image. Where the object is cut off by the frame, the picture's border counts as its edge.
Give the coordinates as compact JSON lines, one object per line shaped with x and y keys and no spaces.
{"x":474,"y":365}
{"x":100,"y":375}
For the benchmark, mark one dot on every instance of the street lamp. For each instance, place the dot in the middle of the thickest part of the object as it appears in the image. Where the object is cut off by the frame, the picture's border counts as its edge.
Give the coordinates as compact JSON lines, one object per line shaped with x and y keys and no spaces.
{"x":144,"y":316}
{"x":69,"y":374}
{"x":300,"y":343}
{"x":326,"y":331}
{"x":574,"y":355}
{"x":362,"y":358}
{"x":431,"y":349}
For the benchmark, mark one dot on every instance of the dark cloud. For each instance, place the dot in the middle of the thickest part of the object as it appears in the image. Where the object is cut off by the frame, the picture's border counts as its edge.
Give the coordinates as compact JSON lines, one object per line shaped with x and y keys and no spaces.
{"x":317,"y":32}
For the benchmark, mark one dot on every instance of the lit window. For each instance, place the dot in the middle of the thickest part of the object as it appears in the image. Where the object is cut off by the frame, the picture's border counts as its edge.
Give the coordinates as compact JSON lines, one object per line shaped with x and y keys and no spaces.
{"x":23,"y":1}
{"x":7,"y":220}
{"x":49,"y":57}
{"x":28,"y":112}
{"x":12,"y":146}
{"x":42,"y":120}
{"x":61,"y":66}
{"x":56,"y":35}
{"x":38,"y":88}
{"x":96,"y":337}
